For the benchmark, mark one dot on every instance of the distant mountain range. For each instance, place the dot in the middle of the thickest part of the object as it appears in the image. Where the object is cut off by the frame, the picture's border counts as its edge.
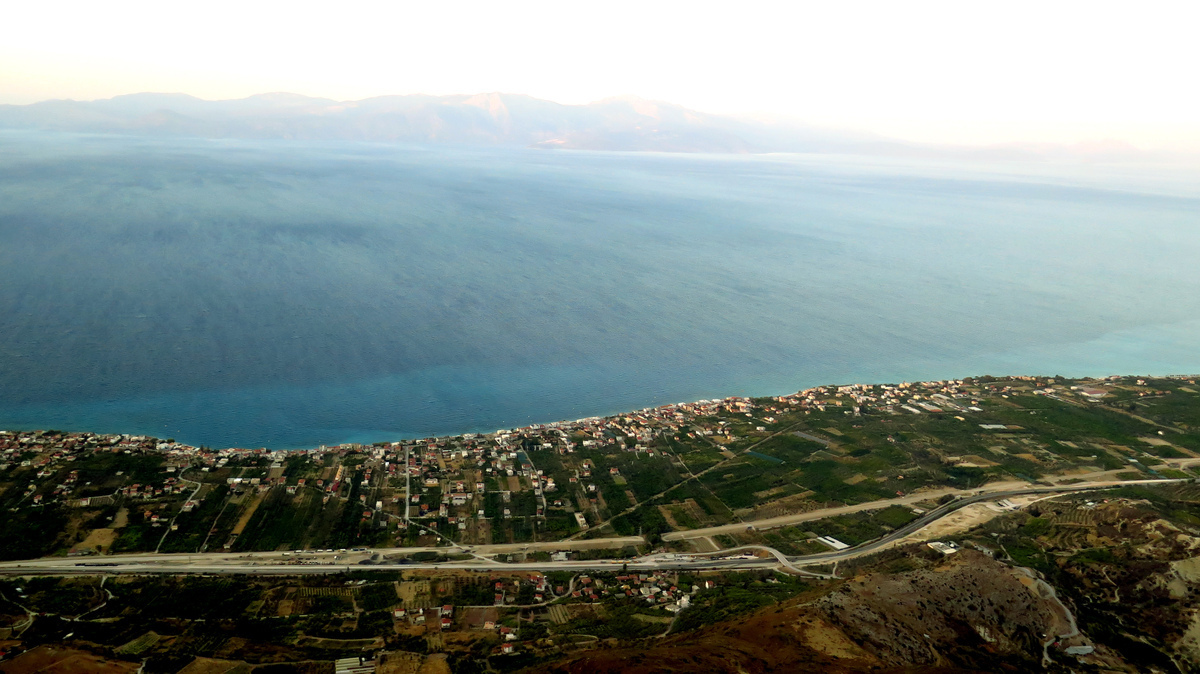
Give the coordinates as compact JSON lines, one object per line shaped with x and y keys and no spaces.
{"x":621,"y":124}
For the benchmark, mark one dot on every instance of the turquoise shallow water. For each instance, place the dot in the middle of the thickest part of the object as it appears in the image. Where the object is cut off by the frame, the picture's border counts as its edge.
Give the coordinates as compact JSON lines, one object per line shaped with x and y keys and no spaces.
{"x":288,"y":295}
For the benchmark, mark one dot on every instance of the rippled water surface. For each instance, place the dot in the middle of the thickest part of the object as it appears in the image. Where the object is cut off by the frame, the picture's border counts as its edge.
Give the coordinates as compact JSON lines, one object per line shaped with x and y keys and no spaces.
{"x":285,"y":295}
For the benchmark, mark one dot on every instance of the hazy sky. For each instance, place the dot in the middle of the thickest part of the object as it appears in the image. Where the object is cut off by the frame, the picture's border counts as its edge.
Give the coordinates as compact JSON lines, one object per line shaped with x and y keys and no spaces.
{"x":948,"y":71}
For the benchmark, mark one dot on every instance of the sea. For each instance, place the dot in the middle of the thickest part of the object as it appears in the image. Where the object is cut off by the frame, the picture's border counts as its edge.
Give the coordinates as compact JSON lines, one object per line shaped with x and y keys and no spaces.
{"x":287,"y":294}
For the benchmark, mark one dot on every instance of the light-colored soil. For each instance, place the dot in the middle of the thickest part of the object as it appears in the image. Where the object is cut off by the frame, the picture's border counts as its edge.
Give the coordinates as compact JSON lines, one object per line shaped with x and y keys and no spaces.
{"x":956,"y":522}
{"x":1159,"y":442}
{"x":399,"y":663}
{"x":886,"y":613}
{"x":139,"y":645}
{"x":558,"y":614}
{"x":338,"y":644}
{"x":1183,"y":575}
{"x":58,"y":660}
{"x":99,"y":539}
{"x":462,"y":640}
{"x":964,"y":520}
{"x":481,"y":532}
{"x":697,"y":513}
{"x":1081,"y":470}
{"x":768,"y":493}
{"x":121,"y":519}
{"x":435,"y":664}
{"x":662,"y":620}
{"x":665,"y":511}
{"x":1190,"y":642}
{"x":977,"y":461}
{"x":584,"y":611}
{"x":1188,"y":569}
{"x":827,"y":639}
{"x":788,"y":505}
{"x":474,"y":618}
{"x":212,"y":666}
{"x":414,"y":594}
{"x":247,"y":513}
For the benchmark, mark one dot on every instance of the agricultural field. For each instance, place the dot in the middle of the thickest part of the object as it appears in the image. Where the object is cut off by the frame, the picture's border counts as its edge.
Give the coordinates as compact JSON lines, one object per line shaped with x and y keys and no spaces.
{"x":1122,"y":556}
{"x":668,"y":472}
{"x":169,"y":623}
{"x":652,"y":472}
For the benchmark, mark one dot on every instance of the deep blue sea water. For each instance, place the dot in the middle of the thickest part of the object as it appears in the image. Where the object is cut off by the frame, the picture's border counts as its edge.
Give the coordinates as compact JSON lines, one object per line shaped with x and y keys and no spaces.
{"x":279,"y":294}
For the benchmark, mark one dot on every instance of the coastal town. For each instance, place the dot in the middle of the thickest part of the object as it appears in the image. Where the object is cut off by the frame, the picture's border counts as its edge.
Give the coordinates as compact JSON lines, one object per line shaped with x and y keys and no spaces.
{"x":649,"y":473}
{"x":823,"y":470}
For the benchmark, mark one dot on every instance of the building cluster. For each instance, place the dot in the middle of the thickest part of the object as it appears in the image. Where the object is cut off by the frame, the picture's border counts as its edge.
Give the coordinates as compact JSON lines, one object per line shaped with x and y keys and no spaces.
{"x":169,"y":486}
{"x":656,"y":589}
{"x":503,"y":453}
{"x":912,"y":398}
{"x":446,"y":478}
{"x":50,"y":454}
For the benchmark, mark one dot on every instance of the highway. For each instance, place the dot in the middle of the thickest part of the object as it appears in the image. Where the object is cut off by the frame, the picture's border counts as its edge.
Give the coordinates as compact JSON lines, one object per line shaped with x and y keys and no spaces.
{"x":326,"y":562}
{"x":940,"y":512}
{"x":796,"y":518}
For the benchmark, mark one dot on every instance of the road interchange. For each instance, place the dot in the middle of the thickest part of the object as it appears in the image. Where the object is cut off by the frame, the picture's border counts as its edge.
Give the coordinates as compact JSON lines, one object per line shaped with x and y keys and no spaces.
{"x":481,"y":557}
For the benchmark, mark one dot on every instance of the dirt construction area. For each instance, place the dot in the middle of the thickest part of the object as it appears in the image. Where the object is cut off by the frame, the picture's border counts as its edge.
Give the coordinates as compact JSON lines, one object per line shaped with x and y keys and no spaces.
{"x":967,"y":518}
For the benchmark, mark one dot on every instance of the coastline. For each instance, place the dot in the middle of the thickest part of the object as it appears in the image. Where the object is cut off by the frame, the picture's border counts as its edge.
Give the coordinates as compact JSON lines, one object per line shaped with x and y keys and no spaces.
{"x":384,"y":438}
{"x":319,"y":324}
{"x":446,"y":402}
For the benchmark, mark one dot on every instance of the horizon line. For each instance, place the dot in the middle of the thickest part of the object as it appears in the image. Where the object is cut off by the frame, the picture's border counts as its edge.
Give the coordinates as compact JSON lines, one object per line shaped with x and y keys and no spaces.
{"x":1103,"y":142}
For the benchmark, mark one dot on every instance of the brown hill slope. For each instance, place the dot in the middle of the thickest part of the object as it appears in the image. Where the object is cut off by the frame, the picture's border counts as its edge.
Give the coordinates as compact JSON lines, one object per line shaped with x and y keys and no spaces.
{"x":966,"y":613}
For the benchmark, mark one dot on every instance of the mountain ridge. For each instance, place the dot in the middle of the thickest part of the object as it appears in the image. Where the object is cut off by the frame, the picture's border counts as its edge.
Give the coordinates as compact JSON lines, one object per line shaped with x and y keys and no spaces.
{"x":618,"y":123}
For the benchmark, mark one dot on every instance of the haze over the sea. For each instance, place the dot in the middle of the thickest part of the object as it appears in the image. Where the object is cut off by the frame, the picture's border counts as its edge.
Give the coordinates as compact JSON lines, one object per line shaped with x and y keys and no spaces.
{"x":243,"y":293}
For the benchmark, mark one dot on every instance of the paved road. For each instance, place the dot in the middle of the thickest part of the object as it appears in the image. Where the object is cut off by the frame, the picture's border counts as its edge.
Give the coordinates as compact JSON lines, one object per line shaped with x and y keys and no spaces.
{"x":306,"y":562}
{"x":199,"y":486}
{"x":785,"y":520}
{"x":940,"y":512}
{"x":202,"y":567}
{"x":584,"y":544}
{"x":269,"y":563}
